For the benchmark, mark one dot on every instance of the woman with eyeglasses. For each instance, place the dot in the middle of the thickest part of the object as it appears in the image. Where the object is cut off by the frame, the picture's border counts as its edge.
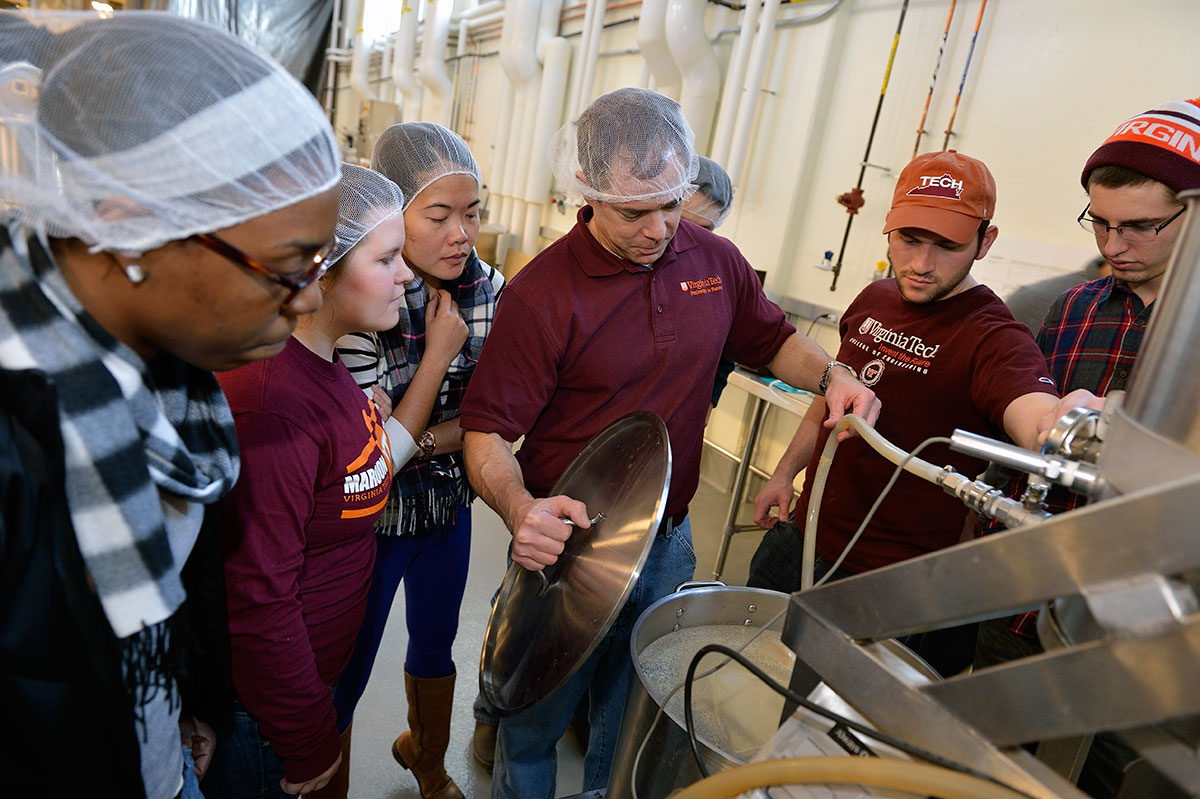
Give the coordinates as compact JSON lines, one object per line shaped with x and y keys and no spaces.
{"x":424,"y":537}
{"x":298,"y":539}
{"x":132,"y":137}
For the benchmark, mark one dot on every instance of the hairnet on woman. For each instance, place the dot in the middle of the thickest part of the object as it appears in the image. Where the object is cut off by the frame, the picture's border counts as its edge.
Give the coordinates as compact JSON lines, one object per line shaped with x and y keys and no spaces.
{"x":170,"y":206}
{"x":423,"y":366}
{"x":299,"y":527}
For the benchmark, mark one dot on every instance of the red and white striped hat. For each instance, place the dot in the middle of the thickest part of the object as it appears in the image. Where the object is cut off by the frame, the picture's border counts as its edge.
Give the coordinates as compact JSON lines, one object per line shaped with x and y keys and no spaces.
{"x":1162,"y":143}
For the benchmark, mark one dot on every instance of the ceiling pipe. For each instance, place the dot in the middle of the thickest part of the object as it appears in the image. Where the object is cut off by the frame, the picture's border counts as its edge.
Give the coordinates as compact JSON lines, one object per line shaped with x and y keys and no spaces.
{"x":404,"y":77}
{"x":697,"y":63}
{"x":735,"y":79}
{"x":593,"y":27}
{"x":360,"y":59}
{"x":555,"y":54}
{"x":518,"y":57}
{"x":755,"y":77}
{"x":438,"y":104}
{"x":652,"y":41}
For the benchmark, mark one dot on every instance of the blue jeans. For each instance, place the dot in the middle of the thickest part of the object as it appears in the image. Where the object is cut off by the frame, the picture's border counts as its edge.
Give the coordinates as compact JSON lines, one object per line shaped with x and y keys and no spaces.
{"x":244,"y":764}
{"x":434,"y":571}
{"x":526,"y":763}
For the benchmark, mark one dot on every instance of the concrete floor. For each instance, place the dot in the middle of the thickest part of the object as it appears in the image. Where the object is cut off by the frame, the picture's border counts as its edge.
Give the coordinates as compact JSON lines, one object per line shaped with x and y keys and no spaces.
{"x":382,"y":712}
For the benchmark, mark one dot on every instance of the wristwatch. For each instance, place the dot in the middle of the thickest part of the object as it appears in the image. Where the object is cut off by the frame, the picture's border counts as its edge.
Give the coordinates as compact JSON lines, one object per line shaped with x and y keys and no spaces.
{"x":825,"y":376}
{"x":426,"y":444}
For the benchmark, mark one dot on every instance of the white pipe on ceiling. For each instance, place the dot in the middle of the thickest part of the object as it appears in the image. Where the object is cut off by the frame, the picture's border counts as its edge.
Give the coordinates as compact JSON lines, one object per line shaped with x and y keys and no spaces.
{"x":360,"y":59}
{"x":555,"y":54}
{"x":697,"y":63}
{"x":652,"y":41}
{"x":735,"y":78}
{"x":403,"y":75}
{"x":438,"y":104}
{"x":755,"y":77}
{"x":587,"y":62}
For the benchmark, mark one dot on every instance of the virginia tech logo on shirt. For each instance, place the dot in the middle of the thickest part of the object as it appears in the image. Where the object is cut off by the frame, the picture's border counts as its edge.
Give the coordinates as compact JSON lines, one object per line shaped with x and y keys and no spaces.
{"x":363,"y":485}
{"x":707,"y":285}
{"x":892,"y":347}
{"x":941,"y":186}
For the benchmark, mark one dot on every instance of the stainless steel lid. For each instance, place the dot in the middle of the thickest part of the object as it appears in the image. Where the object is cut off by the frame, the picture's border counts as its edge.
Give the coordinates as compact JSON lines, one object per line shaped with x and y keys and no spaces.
{"x":545,"y":624}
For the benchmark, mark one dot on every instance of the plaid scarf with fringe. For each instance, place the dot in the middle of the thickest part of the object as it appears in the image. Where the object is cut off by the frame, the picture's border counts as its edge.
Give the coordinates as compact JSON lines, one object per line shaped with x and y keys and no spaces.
{"x":426,"y":494}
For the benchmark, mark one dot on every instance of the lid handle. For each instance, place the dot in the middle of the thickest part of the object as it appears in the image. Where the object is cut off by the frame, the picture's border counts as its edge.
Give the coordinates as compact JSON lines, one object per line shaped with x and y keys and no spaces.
{"x":551,"y":574}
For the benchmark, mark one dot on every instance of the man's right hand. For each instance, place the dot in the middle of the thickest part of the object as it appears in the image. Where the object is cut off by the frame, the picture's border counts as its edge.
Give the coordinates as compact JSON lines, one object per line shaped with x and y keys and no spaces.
{"x":316,"y":783}
{"x":539,"y":533}
{"x":777,"y":493}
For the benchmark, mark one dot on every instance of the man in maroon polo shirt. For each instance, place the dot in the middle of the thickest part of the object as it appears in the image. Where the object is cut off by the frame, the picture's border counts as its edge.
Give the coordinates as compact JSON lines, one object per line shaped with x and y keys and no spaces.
{"x":631,"y":310}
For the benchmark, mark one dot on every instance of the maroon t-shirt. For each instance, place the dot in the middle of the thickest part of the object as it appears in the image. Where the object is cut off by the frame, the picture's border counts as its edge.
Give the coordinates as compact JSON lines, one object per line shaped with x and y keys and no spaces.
{"x":955,"y":363}
{"x":299,"y":544}
{"x":583,"y":337}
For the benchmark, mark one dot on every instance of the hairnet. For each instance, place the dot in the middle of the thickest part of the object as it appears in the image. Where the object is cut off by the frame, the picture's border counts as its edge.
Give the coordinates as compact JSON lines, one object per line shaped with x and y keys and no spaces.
{"x":713,"y":182}
{"x":368,"y":198}
{"x":629,"y":145}
{"x":152,"y":127}
{"x":415,"y":154}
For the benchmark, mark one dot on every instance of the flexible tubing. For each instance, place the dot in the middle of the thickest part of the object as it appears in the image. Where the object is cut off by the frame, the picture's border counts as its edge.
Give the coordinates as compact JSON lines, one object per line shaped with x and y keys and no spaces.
{"x":923,"y":469}
{"x":922,"y":779}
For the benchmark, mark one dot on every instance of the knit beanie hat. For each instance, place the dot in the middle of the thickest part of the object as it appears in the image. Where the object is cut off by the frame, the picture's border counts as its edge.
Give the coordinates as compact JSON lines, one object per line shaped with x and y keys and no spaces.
{"x":1162,"y":143}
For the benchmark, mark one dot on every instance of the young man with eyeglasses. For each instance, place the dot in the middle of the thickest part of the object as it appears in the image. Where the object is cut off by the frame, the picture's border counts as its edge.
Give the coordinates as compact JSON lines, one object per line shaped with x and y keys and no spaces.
{"x":1092,"y":333}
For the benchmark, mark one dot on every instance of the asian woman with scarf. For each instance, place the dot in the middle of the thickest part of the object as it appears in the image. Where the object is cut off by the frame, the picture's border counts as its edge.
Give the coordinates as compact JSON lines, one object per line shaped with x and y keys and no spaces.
{"x":425,"y":534}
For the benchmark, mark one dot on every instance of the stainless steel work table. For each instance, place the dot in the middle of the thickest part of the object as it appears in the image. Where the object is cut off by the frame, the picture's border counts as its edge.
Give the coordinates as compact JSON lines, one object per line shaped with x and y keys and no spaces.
{"x":761,"y":394}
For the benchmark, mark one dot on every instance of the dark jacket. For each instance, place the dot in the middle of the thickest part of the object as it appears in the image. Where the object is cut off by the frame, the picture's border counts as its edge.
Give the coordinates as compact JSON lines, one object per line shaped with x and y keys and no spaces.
{"x":68,"y":724}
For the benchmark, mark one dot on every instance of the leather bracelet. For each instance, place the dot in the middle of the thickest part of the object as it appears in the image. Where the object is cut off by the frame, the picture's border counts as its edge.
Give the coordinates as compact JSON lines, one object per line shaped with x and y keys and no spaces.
{"x":426,"y":444}
{"x":829,"y":368}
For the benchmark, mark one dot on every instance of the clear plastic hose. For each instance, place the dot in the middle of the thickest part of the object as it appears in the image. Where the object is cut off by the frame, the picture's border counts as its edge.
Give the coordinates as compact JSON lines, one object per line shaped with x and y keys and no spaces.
{"x":923,"y":469}
{"x":922,"y":779}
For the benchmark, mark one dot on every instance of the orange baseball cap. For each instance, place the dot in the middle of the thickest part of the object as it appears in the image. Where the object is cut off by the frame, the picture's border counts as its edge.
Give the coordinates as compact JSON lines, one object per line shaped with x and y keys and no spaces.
{"x":946,"y":193}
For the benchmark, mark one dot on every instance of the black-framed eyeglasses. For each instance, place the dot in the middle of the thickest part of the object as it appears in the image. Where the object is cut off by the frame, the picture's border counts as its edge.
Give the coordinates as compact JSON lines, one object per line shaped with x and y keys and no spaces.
{"x":1127,"y":232}
{"x":293,"y":281}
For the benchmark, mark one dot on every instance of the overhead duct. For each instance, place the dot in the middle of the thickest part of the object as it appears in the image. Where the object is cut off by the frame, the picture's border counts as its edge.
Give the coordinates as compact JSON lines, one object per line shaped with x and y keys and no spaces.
{"x":404,"y":77}
{"x":438,"y":103}
{"x":735,"y":78}
{"x":697,"y":63}
{"x":555,"y":54}
{"x":652,"y":41}
{"x":755,"y":78}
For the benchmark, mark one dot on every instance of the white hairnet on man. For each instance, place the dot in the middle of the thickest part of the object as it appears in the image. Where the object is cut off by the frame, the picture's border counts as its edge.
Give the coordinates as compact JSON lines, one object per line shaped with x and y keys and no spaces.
{"x":630,"y":145}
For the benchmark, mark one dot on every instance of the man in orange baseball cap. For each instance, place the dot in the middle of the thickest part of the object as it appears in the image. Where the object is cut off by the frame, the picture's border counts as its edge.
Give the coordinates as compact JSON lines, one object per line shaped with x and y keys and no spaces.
{"x":942,"y":352}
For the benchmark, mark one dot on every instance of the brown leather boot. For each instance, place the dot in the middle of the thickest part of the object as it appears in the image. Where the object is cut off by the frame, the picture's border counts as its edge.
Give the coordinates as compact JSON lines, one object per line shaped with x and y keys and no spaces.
{"x":339,"y":784}
{"x":422,"y":748}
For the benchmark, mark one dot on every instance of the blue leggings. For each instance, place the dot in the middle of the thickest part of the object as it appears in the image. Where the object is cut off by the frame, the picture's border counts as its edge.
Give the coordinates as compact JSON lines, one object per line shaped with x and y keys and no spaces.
{"x":434,"y":571}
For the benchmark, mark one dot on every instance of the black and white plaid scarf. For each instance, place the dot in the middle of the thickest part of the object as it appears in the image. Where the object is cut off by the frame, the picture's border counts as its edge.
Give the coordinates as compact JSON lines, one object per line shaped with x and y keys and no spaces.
{"x":426,"y":494}
{"x":144,"y":445}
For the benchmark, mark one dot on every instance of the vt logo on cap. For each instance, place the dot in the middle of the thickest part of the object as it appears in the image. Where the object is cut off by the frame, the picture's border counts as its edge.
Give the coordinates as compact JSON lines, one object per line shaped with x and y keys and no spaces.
{"x":943,"y":186}
{"x":929,"y":180}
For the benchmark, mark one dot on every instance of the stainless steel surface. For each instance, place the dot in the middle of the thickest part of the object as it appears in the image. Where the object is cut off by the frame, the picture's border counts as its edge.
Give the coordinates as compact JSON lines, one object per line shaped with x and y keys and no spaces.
{"x":1077,"y":476}
{"x":1106,"y":685}
{"x":760,"y":395}
{"x":667,"y":763}
{"x":869,"y":684}
{"x":1149,"y":530}
{"x":1163,"y":395}
{"x":537,"y":637}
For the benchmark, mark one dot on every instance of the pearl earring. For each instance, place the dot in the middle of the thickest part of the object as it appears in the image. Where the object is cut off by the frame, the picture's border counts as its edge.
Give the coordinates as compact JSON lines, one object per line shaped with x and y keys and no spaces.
{"x":135,"y":273}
